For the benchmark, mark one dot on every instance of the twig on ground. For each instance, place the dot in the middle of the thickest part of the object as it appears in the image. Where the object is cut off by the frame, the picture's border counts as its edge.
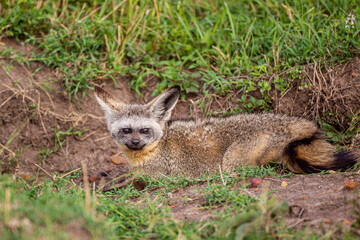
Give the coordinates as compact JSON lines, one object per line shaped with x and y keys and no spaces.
{"x":84,"y":138}
{"x":14,"y":94}
{"x":297,"y":223}
{"x":102,"y":188}
{"x":17,"y":132}
{"x":75,"y":170}
{"x":248,"y":192}
{"x":53,"y":178}
{"x":7,"y":149}
{"x":102,"y":138}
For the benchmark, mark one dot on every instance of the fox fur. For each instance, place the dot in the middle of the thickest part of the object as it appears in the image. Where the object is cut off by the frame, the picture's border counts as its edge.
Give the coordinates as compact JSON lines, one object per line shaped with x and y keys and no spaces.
{"x":154,"y":145}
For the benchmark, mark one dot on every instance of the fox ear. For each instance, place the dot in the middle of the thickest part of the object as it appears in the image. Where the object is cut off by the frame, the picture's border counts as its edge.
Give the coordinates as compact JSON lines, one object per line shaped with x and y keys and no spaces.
{"x":108,"y":102}
{"x":162,"y":106}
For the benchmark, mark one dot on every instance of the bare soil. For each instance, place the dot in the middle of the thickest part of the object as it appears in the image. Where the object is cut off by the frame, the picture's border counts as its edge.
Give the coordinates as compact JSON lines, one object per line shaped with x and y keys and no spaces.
{"x":31,"y":113}
{"x":333,"y":97}
{"x":314,"y":200}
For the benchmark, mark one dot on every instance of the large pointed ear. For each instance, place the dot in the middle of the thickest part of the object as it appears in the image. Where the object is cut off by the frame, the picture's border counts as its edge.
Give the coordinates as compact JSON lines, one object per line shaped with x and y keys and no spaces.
{"x":108,"y":102}
{"x":162,"y":106}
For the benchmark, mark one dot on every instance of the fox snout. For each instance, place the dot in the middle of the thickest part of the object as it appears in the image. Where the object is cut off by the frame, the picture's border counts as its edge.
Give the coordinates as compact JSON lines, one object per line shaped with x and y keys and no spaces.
{"x":135,"y":144}
{"x":134,"y":140}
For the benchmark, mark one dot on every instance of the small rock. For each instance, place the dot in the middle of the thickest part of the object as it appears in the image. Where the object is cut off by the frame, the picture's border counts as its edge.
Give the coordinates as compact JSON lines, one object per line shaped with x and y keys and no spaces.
{"x":327,"y":221}
{"x":118,"y":160}
{"x":93,"y":178}
{"x":255,"y":182}
{"x":284,"y":184}
{"x":351,"y":184}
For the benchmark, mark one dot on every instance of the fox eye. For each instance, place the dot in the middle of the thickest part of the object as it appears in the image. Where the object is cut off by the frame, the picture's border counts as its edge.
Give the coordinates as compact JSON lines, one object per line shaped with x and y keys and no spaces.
{"x":144,"y":131}
{"x":127,"y":130}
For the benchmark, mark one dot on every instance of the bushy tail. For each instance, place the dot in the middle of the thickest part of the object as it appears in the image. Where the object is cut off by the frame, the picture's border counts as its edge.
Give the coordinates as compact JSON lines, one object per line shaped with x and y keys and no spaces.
{"x":315,"y":154}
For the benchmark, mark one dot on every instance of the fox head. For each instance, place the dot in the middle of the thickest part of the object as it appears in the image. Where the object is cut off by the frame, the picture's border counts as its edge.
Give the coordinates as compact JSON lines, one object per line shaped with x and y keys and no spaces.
{"x":137,"y":126}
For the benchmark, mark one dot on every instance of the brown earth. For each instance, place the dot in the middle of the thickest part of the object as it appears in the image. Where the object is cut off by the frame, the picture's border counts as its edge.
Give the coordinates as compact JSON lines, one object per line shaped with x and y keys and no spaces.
{"x":333,"y":97}
{"x":314,"y":200}
{"x":32,"y":112}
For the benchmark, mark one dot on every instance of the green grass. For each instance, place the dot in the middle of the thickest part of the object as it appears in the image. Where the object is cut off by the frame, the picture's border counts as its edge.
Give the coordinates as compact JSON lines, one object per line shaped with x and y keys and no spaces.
{"x":204,"y":43}
{"x":58,"y":209}
{"x":32,"y":210}
{"x":343,"y":137}
{"x":211,"y":47}
{"x":51,"y":209}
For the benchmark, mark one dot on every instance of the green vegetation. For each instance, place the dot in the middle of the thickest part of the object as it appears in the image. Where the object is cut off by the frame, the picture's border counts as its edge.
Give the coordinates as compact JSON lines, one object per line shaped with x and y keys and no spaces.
{"x":345,"y":137}
{"x":204,"y":43}
{"x":59,"y":141}
{"x":240,"y":49}
{"x":59,"y":209}
{"x":51,"y":209}
{"x":32,"y":210}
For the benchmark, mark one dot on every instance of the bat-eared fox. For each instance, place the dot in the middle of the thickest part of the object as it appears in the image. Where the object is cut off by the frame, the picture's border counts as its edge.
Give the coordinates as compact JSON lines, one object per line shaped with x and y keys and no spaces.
{"x":155,"y":145}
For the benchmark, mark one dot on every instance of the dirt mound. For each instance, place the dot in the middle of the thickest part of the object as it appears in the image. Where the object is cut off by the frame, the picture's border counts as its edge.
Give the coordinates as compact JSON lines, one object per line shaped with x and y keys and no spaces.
{"x":334,"y":95}
{"x":40,"y":128}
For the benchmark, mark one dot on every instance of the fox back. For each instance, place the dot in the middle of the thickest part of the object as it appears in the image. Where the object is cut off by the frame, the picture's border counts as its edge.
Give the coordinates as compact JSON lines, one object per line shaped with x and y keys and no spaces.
{"x":155,"y":145}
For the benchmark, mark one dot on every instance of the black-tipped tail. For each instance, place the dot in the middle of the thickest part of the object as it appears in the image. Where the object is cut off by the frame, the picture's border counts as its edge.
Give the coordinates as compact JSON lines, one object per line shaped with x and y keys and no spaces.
{"x":302,"y":156}
{"x":294,"y":160}
{"x":344,"y":160}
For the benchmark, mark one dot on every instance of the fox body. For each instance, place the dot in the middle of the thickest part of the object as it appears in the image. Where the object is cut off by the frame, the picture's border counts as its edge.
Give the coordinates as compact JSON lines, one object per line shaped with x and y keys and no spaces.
{"x":154,"y":145}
